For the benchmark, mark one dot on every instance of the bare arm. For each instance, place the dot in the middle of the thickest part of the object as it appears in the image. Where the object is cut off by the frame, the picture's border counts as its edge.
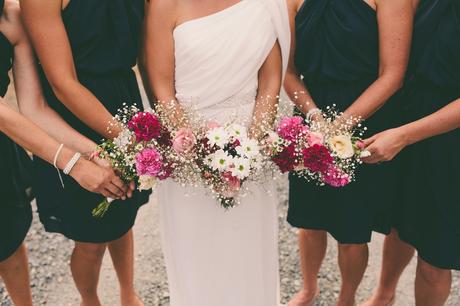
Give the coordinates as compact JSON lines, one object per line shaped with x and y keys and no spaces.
{"x":266,"y":106}
{"x":142,"y":65}
{"x":159,"y":58}
{"x":28,"y":90}
{"x":395,"y":19}
{"x":293,"y":85}
{"x":386,"y":145}
{"x":44,"y":23}
{"x":25,"y":133}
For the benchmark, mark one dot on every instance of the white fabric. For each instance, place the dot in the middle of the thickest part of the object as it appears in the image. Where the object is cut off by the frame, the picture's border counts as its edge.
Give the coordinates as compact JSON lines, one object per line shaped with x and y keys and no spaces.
{"x":216,"y":257}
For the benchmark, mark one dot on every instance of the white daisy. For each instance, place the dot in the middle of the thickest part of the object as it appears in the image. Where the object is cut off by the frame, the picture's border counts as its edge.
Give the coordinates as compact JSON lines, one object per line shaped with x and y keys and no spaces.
{"x":237,"y":131}
{"x":248,"y":148}
{"x":220,"y":160}
{"x":241,"y":168}
{"x":218,"y":136}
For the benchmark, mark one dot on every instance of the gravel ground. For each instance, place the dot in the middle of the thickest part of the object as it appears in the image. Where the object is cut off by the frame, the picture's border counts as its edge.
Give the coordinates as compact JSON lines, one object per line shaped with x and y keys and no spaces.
{"x":52,"y":284}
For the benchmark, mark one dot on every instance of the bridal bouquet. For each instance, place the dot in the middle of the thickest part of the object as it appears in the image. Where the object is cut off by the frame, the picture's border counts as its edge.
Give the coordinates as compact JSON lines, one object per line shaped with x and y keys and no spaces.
{"x":227,"y":157}
{"x":140,"y":153}
{"x":324,"y":152}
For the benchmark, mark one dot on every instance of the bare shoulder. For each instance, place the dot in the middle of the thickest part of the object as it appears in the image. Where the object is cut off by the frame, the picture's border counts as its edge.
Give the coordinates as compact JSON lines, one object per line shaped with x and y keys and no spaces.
{"x":294,"y":5}
{"x":402,"y":5}
{"x":11,"y":22}
{"x":11,"y":11}
{"x":164,"y":6}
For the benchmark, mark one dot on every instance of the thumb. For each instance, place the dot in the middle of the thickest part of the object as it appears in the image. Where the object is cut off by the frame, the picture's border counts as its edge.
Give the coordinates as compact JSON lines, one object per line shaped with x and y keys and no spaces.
{"x":367,"y":142}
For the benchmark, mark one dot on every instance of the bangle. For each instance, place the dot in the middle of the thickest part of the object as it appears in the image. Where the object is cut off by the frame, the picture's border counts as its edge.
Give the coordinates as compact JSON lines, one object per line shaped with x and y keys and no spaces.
{"x":71,"y":163}
{"x":56,"y":156}
{"x":311,"y":113}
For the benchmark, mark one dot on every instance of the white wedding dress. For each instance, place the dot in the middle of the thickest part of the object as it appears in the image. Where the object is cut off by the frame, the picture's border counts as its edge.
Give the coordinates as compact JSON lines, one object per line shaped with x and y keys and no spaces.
{"x":216,"y":257}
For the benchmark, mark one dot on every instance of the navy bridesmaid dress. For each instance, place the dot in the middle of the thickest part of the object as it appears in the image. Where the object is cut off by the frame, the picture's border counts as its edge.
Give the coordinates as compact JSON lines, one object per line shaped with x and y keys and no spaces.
{"x":429,"y":210}
{"x":105,"y":38}
{"x":15,"y":209}
{"x":337,"y":52}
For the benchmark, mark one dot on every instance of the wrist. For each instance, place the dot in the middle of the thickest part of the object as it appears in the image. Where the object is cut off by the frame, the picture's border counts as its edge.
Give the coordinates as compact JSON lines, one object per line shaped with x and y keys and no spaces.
{"x":77,"y":169}
{"x":405,"y":135}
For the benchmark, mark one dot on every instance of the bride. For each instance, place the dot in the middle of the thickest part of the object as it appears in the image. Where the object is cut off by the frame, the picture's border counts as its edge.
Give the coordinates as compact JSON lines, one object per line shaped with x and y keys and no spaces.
{"x":225,"y":59}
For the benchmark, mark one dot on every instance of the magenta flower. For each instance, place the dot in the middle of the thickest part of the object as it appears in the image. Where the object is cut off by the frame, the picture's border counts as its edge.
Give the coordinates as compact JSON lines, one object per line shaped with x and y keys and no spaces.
{"x":145,"y":126}
{"x":286,"y":160}
{"x":336,"y":177}
{"x":292,"y":128}
{"x":149,"y":162}
{"x":317,"y":158}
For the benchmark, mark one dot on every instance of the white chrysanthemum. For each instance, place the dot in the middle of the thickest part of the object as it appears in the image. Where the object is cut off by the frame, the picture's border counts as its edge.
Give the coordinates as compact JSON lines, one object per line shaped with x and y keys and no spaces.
{"x":242,"y":168}
{"x":146,"y":182}
{"x":218,"y":136}
{"x":237,"y":131}
{"x":248,"y":148}
{"x":123,"y":140}
{"x":221,"y":160}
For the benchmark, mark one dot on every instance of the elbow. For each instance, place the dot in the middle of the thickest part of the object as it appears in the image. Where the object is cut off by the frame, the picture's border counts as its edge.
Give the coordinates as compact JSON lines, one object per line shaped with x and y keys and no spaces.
{"x":63,"y":87}
{"x":394,"y":79}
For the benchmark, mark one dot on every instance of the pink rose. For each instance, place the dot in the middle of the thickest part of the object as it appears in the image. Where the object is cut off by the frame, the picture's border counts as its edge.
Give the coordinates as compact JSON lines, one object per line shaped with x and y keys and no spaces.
{"x":212,"y":125}
{"x":149,"y":162}
{"x":184,"y":141}
{"x":315,"y":138}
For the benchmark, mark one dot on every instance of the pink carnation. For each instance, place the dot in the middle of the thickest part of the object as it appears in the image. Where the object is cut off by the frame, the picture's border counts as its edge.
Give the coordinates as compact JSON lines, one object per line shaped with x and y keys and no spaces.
{"x":184,"y":141}
{"x":317,"y":158}
{"x":149,"y":162}
{"x":233,"y":182}
{"x":291,"y":128}
{"x":146,"y":126}
{"x":315,"y":138}
{"x":336,"y":177}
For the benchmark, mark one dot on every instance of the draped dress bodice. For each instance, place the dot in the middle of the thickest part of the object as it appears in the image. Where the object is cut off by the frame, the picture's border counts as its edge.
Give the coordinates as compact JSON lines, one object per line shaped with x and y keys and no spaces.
{"x":212,"y":75}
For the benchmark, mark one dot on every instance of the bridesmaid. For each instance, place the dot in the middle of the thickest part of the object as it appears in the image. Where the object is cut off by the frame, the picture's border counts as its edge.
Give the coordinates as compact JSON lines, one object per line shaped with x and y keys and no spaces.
{"x":87,"y":49}
{"x":352,"y":53}
{"x":15,"y":209}
{"x":428,"y":210}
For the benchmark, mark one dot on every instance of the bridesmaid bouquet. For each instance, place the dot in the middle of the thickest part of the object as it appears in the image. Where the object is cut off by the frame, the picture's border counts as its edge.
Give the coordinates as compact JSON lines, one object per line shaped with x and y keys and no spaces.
{"x":139,"y":153}
{"x":325,"y":152}
{"x":227,"y":157}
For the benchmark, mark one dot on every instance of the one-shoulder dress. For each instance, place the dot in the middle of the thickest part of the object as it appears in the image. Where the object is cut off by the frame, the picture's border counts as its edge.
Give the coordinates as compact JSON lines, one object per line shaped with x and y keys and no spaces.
{"x":15,"y":209}
{"x":216,"y":257}
{"x":427,"y":216}
{"x":337,"y":52}
{"x":104,"y":36}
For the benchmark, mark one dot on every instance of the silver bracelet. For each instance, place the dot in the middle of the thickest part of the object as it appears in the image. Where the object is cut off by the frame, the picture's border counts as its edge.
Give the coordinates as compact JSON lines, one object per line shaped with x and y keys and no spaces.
{"x":71,"y":163}
{"x":56,"y":156}
{"x":311,"y":113}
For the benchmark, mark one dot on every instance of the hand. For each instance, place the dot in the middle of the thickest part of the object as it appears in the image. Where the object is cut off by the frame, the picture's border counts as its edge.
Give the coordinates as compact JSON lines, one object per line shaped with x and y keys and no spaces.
{"x":385,"y":145}
{"x":128,"y":191}
{"x":99,"y":179}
